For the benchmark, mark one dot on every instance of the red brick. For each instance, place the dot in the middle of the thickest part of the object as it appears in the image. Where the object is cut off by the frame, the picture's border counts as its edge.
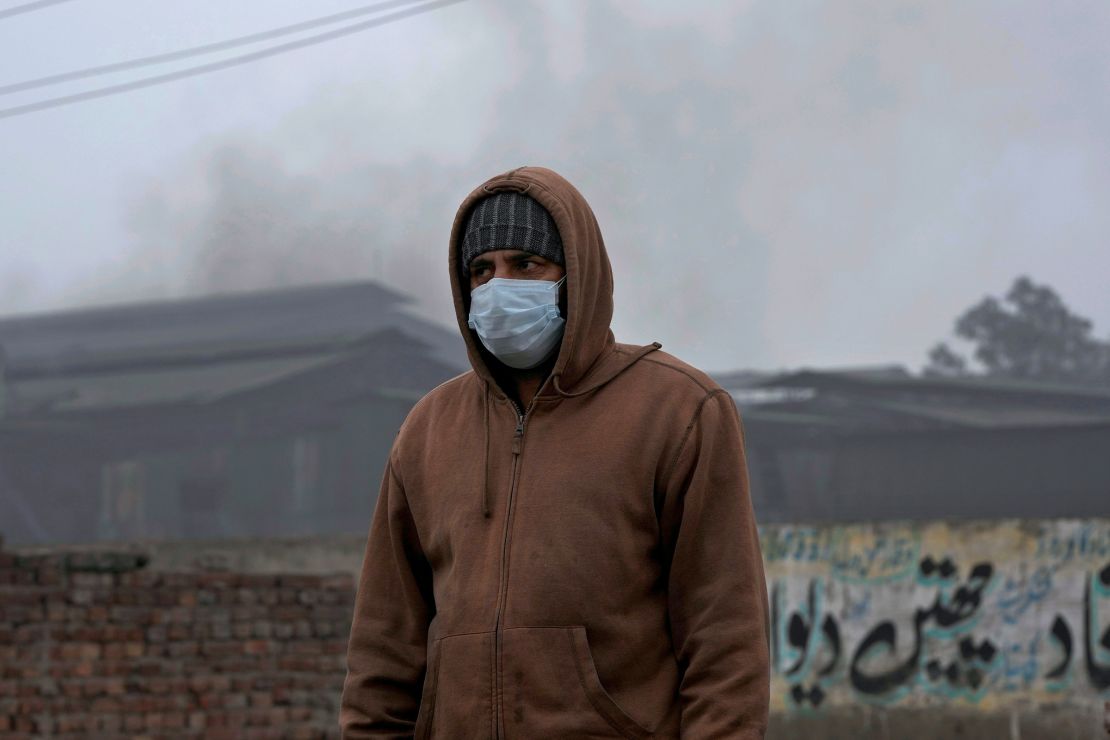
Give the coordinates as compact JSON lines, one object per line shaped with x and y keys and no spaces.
{"x":221,"y":733}
{"x":219,"y":631}
{"x":105,"y":704}
{"x":178,"y":632}
{"x":30,"y":705}
{"x":172,"y":654}
{"x":111,"y":723}
{"x":182,"y":649}
{"x":261,"y":699}
{"x":261,"y":581}
{"x":24,"y":595}
{"x":174,"y":720}
{"x":158,"y":685}
{"x":257,"y":647}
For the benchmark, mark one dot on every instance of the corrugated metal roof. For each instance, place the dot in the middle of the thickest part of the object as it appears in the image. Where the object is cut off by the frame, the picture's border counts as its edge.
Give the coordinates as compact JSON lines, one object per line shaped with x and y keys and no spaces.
{"x":283,"y":316}
{"x":181,"y":384}
{"x":918,"y":384}
{"x":997,"y":415}
{"x":882,"y":399}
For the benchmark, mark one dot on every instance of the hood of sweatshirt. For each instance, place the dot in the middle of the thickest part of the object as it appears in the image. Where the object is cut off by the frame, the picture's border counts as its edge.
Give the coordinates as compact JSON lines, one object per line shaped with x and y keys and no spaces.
{"x":586,"y":359}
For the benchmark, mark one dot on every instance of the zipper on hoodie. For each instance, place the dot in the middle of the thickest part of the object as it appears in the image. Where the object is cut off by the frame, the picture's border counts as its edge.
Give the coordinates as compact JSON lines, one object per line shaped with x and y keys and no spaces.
{"x":503,"y":580}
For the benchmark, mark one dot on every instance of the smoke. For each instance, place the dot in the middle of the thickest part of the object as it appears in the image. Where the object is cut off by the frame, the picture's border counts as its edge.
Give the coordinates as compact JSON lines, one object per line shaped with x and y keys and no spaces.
{"x":17,"y":285}
{"x":810,"y":182}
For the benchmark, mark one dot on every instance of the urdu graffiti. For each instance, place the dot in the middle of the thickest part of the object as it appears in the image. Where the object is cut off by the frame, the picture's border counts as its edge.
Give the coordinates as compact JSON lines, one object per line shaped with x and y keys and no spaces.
{"x":935,"y":613}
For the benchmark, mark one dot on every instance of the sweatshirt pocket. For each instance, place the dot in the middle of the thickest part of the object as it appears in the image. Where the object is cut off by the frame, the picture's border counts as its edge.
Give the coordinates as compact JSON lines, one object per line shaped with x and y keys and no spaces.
{"x":552,"y":688}
{"x":456,"y":701}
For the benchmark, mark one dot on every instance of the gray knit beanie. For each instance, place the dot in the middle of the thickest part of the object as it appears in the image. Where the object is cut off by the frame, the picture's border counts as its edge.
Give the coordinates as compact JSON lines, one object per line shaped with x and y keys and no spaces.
{"x":510,"y":220}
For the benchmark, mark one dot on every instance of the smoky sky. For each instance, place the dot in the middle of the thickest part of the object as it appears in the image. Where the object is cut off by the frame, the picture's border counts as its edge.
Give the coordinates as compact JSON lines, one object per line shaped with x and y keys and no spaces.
{"x":778,"y":184}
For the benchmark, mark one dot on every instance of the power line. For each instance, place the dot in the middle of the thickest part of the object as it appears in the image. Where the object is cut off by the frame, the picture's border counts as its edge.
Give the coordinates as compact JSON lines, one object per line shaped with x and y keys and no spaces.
{"x":28,"y":7}
{"x":174,"y":56}
{"x":224,"y":64}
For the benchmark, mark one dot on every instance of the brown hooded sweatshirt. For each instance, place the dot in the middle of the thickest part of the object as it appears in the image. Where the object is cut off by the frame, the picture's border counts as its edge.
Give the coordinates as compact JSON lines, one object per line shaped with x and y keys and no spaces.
{"x":588,"y":567}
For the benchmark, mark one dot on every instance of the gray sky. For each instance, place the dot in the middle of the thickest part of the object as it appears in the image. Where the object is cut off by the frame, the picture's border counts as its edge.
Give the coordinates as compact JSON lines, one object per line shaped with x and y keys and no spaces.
{"x":779,"y":184}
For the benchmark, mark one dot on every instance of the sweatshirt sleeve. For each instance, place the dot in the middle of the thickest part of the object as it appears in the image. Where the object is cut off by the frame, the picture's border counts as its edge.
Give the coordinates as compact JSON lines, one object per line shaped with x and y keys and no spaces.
{"x":717,"y":593}
{"x":386,"y":653}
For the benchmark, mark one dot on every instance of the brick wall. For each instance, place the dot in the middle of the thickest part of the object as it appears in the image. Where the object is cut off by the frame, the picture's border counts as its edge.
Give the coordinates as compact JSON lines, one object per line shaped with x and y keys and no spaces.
{"x":95,"y":644}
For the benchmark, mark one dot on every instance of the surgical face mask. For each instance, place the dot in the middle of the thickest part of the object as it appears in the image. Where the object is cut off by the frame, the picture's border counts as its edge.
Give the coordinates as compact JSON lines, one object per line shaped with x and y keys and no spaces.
{"x":517,"y":320}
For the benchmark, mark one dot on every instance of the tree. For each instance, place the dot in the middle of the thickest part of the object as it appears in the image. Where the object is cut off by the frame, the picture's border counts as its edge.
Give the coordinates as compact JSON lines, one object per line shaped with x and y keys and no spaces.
{"x":1030,"y":336}
{"x":943,"y":362}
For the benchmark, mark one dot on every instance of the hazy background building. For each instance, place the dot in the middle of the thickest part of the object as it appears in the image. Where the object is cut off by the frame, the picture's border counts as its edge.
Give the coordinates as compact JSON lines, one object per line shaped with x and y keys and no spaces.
{"x":265,"y":413}
{"x":270,"y":413}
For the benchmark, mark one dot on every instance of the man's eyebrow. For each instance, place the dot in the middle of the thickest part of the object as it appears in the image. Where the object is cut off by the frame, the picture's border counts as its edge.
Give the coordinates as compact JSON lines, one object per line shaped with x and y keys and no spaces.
{"x":521,"y":256}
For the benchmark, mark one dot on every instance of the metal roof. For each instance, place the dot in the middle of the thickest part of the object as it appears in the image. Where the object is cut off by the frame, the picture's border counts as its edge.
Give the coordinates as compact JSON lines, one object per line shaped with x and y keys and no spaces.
{"x":139,"y":387}
{"x":200,"y":350}
{"x":310,"y":313}
{"x":891,"y":399}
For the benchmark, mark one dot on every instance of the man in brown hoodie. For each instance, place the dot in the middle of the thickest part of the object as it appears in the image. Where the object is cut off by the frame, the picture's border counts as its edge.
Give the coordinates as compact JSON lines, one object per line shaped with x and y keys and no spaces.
{"x":563,"y":545}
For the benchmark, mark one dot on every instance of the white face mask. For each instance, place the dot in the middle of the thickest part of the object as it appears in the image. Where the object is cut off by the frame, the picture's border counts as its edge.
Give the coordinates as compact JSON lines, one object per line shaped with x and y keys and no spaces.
{"x":517,"y":320}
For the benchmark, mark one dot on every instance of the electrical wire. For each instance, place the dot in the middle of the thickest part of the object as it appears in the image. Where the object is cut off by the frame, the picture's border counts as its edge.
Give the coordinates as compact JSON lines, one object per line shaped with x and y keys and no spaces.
{"x":224,"y":64}
{"x":28,"y":7}
{"x":174,"y":56}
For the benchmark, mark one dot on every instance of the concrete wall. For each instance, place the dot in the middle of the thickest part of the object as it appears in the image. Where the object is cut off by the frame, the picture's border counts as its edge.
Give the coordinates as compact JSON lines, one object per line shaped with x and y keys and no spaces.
{"x":886,"y":630}
{"x":1003,"y":625}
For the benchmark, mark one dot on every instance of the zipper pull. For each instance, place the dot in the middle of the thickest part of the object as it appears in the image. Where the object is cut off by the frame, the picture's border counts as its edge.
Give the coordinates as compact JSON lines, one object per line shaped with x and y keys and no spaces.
{"x":519,"y":435}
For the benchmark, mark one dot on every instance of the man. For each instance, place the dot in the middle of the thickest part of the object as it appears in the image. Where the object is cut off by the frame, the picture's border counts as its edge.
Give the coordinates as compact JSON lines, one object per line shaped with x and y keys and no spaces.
{"x":563,"y":545}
